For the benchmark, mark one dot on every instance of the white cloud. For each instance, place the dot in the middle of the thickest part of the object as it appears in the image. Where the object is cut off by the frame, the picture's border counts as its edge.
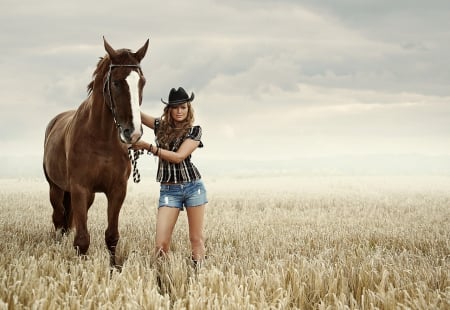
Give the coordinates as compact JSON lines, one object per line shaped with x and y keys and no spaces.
{"x":273,"y":79}
{"x":318,"y":121}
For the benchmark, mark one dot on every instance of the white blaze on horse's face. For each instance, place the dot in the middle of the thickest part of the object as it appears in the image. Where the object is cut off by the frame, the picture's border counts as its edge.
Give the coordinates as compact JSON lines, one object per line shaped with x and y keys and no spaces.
{"x":133,"y":85}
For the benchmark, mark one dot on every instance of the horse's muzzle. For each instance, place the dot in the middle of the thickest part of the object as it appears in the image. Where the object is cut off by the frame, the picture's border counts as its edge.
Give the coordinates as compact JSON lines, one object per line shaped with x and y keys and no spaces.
{"x":130,"y":135}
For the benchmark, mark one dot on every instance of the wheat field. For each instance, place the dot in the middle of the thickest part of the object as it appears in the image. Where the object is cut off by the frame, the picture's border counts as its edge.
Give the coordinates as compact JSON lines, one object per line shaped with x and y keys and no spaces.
{"x":272,"y":243}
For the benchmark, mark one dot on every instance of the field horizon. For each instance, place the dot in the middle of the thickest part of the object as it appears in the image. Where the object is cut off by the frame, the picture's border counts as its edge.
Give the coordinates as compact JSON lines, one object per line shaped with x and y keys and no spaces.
{"x":273,"y":242}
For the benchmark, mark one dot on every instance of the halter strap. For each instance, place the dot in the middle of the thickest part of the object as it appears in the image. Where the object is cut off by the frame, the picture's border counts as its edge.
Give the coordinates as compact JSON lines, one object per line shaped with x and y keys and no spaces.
{"x":107,"y":84}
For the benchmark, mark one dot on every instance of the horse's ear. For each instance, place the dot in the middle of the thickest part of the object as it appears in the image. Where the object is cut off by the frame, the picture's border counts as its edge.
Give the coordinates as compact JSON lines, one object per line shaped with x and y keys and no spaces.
{"x":141,"y":52}
{"x":111,"y":52}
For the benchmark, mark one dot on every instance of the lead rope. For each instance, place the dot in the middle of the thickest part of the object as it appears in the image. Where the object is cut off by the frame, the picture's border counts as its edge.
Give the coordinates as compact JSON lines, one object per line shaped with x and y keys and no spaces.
{"x":133,"y":159}
{"x":106,"y":85}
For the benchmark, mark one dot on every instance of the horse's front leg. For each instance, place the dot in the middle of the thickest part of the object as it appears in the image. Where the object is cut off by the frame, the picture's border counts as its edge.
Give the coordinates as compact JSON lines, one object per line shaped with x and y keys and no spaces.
{"x":115,"y":200}
{"x":81,"y":198}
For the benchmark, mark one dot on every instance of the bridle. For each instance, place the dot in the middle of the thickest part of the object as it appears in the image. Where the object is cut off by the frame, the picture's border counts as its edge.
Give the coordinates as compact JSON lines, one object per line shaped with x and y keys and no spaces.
{"x":107,"y":89}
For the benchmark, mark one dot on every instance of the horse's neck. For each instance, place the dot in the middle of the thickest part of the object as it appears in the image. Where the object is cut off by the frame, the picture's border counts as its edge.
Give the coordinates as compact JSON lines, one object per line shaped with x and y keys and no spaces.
{"x":98,"y":118}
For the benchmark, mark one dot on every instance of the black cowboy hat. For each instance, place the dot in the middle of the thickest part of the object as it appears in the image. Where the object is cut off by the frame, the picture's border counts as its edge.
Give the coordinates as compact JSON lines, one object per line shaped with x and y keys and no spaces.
{"x":177,"y":96}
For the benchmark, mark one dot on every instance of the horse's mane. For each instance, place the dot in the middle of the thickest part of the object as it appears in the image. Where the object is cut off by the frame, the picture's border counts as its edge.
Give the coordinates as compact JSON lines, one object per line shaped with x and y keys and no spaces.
{"x":99,"y":72}
{"x":103,"y":67}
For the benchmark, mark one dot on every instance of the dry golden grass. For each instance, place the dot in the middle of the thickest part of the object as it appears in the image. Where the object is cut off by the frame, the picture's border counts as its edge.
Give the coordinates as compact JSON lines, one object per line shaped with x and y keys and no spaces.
{"x":306,"y":243}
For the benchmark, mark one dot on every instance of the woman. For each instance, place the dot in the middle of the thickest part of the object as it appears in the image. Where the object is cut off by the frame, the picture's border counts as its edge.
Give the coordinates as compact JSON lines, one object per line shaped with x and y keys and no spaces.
{"x":181,"y":184}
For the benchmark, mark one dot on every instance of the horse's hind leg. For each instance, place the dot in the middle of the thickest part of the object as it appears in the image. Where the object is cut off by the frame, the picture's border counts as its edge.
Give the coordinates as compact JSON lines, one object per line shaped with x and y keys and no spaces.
{"x":57,"y":201}
{"x":67,"y":224}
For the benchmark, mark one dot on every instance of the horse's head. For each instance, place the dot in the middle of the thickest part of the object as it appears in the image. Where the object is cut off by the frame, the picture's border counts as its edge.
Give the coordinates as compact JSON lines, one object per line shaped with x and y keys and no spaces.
{"x":122,"y":89}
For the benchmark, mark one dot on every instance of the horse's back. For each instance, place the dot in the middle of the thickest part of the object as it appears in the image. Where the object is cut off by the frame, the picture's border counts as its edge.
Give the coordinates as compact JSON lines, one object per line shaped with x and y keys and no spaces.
{"x":54,"y":148}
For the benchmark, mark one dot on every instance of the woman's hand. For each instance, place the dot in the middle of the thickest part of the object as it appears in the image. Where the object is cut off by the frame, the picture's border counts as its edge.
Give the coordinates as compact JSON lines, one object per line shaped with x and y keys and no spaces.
{"x":140,"y":145}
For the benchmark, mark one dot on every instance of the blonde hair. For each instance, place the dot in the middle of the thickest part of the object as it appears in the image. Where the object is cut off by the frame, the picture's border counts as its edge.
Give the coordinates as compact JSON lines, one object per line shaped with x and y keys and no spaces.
{"x":168,"y":134}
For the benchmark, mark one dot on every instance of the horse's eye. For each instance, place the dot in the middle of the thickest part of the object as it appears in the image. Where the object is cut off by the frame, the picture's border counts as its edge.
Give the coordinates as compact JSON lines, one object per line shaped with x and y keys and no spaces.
{"x":116,"y":83}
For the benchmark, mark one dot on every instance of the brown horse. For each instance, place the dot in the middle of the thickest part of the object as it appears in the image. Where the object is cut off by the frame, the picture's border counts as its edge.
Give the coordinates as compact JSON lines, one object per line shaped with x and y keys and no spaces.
{"x":86,"y":150}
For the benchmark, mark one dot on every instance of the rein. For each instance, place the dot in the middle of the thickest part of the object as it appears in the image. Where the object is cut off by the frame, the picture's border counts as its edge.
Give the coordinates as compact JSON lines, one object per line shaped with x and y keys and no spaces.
{"x":107,"y":86}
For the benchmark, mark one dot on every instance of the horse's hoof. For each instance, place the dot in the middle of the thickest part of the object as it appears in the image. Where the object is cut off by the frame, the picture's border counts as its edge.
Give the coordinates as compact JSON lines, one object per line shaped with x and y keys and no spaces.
{"x":115,"y":268}
{"x":81,"y":252}
{"x":59,"y":234}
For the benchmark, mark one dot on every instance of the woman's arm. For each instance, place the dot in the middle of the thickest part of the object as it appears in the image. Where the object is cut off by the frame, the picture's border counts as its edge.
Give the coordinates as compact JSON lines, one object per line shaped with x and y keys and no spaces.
{"x":186,"y":148}
{"x":148,"y":120}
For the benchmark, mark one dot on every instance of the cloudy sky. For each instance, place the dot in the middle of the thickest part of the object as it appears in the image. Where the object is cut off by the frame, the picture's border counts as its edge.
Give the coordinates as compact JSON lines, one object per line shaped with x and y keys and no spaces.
{"x":274,"y":80}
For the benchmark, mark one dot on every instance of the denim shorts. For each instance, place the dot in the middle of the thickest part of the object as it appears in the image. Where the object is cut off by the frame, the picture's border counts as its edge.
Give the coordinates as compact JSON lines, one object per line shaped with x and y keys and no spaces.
{"x":190,"y":194}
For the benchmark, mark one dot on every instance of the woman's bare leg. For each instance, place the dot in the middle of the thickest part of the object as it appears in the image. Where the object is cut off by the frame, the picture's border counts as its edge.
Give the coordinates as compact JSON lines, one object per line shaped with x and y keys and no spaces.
{"x":165,"y":223}
{"x":195,"y":218}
